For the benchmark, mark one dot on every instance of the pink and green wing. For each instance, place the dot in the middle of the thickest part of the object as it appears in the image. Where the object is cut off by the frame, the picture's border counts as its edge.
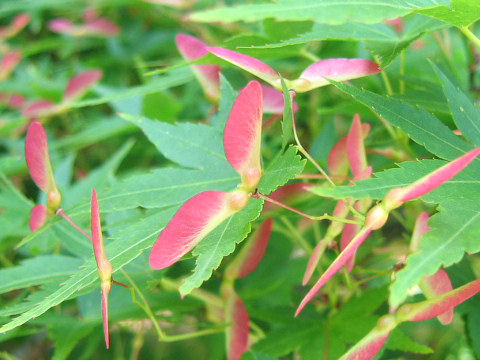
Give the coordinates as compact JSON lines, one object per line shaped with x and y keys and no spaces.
{"x":242,"y":134}
{"x":191,"y":49}
{"x":62,"y":26}
{"x":313,"y":260}
{"x":104,"y":267}
{"x":340,"y":211}
{"x":357,"y":159}
{"x":248,"y":63}
{"x":340,"y":69}
{"x":340,"y":261}
{"x":79,"y":84}
{"x":237,"y":333}
{"x":432,"y":180}
{"x":191,"y":223}
{"x":437,"y":285}
{"x":38,"y":216}
{"x":419,"y":229}
{"x":101,"y":27}
{"x":337,"y":162}
{"x":251,"y":254}
{"x":17,"y":24}
{"x":368,"y":347}
{"x":8,"y":63}
{"x":348,"y":234}
{"x":273,"y":101}
{"x":40,"y":109}
{"x":37,"y":159}
{"x":440,"y":305}
{"x":337,"y":159}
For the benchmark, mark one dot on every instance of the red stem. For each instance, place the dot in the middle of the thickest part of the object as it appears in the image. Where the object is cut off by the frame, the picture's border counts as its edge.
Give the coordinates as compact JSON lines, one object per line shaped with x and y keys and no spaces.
{"x":60,"y":213}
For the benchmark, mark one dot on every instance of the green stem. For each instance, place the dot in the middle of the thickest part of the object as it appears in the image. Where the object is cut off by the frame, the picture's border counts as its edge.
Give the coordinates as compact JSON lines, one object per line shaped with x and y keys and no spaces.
{"x":385,"y":79}
{"x":162,"y":336}
{"x":300,"y":239}
{"x":470,"y":35}
{"x":199,"y":294}
{"x":402,"y":72}
{"x":302,"y":149}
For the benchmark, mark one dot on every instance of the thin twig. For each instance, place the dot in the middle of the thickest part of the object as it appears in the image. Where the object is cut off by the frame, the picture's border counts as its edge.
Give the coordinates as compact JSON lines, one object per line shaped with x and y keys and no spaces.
{"x":60,"y":213}
{"x":302,"y":149}
{"x":311,"y":217}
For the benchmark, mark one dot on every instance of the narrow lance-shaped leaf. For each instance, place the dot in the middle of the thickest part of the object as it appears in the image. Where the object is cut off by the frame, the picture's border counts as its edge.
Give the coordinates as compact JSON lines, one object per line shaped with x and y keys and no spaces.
{"x":38,"y":163}
{"x":248,"y":63}
{"x":191,"y":49}
{"x":191,"y":223}
{"x":251,"y":254}
{"x":79,"y":84}
{"x":237,"y":333}
{"x":38,"y":216}
{"x":103,"y":265}
{"x":340,"y":69}
{"x":242,"y":135}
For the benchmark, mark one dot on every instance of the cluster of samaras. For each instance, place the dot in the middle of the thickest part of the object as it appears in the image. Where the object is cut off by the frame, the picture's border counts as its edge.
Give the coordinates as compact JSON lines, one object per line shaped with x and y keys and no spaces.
{"x":200,"y":214}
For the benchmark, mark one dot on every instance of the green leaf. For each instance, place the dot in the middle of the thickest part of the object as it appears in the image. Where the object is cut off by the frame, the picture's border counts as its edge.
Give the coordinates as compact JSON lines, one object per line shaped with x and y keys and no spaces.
{"x":387,"y":51}
{"x":66,"y":333}
{"x":459,"y":13}
{"x":321,"y":11}
{"x":380,"y":39}
{"x":171,"y":79}
{"x":15,"y":209}
{"x":346,"y":32}
{"x":420,"y":125}
{"x":397,"y":340}
{"x":99,"y":178}
{"x":197,"y":146}
{"x":219,"y":243}
{"x":125,"y":247}
{"x":455,"y":231}
{"x":284,"y":167}
{"x":227,"y":97}
{"x":37,"y":271}
{"x":464,"y":111}
{"x":287,"y":121}
{"x":158,"y":189}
